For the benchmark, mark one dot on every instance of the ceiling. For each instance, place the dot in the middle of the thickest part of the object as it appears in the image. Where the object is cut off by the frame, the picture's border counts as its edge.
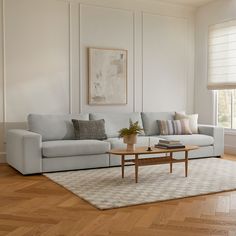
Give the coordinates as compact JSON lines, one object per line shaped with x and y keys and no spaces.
{"x":194,"y":3}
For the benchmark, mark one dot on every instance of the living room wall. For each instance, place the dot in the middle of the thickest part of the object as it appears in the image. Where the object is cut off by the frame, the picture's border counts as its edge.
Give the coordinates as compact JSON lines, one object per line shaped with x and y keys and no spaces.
{"x":212,"y":13}
{"x":43,"y":55}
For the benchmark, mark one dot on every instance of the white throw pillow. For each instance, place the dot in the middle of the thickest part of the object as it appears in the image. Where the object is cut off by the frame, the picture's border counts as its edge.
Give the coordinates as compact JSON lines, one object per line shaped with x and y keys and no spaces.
{"x":193,"y":120}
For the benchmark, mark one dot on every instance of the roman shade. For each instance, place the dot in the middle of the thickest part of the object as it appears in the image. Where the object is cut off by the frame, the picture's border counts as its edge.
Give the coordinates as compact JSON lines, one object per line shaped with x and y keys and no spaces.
{"x":222,"y":56}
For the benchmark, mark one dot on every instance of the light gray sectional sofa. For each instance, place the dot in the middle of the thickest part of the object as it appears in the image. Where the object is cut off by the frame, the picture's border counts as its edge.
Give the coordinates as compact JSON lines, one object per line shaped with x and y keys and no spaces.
{"x":49,"y":144}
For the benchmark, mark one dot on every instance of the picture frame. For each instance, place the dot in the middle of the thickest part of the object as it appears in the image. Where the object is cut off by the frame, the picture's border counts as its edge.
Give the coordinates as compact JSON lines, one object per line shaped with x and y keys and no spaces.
{"x":107,"y":76}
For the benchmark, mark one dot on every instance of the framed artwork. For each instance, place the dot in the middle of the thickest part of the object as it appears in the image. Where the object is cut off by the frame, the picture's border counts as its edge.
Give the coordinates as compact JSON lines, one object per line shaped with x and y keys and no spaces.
{"x":107,"y":76}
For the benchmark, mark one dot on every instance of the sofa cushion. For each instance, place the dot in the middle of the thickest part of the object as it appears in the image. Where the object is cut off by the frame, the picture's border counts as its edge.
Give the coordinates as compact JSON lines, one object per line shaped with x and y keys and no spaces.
{"x":150,"y":121}
{"x":194,"y":139}
{"x":63,"y":148}
{"x":170,"y":127}
{"x":193,"y":120}
{"x":116,"y":121}
{"x":89,"y":129}
{"x":54,"y":127}
{"x":141,"y":141}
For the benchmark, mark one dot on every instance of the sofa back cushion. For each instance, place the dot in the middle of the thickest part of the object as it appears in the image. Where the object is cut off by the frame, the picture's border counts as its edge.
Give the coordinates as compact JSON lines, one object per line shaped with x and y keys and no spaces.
{"x":54,"y":127}
{"x":150,"y":121}
{"x":116,"y":121}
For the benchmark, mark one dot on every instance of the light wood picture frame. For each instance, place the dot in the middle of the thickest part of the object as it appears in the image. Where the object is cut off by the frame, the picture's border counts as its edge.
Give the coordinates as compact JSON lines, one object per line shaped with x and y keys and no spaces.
{"x":107,"y":76}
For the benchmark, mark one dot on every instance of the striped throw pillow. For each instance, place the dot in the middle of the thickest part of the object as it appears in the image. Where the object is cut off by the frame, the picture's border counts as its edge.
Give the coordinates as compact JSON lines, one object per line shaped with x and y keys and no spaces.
{"x":170,"y":127}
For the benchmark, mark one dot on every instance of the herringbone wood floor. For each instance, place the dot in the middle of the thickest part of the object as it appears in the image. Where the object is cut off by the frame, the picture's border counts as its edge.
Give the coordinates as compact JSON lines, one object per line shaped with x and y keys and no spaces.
{"x":34,"y":205}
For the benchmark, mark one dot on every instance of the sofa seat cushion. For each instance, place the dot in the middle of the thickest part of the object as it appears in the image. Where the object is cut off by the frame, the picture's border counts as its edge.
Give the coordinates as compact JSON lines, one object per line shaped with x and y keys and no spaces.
{"x":63,"y":148}
{"x":194,"y":139}
{"x":141,"y":141}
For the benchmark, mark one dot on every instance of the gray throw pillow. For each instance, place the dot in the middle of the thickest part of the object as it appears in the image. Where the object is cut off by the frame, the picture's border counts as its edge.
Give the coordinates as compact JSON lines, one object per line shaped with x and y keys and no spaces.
{"x":89,"y":129}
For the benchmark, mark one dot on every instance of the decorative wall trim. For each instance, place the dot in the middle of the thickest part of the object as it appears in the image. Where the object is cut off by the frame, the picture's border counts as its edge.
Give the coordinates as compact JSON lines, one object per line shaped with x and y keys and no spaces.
{"x":142,"y":105}
{"x":70,"y":59}
{"x":155,"y":7}
{"x":134,"y":65}
{"x":4,"y":62}
{"x":164,"y":15}
{"x":80,"y":56}
{"x":190,"y":69}
{"x":104,"y":6}
{"x":186,"y":53}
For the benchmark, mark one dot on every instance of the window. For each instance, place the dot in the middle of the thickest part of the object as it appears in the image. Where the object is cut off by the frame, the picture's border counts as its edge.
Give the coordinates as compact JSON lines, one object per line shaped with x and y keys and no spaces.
{"x":226,"y":108}
{"x":222,"y":56}
{"x":222,"y":71}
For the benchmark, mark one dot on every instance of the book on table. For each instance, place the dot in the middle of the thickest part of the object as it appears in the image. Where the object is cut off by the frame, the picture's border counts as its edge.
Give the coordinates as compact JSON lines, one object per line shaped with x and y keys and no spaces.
{"x":169,"y":144}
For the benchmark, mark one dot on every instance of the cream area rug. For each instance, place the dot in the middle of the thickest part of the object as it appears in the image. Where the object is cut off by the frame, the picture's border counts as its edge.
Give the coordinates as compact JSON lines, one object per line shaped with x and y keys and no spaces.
{"x":105,"y":189}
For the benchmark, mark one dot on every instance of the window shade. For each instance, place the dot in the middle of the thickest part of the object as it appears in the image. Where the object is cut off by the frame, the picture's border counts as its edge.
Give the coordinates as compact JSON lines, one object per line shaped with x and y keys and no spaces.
{"x":222,"y":56}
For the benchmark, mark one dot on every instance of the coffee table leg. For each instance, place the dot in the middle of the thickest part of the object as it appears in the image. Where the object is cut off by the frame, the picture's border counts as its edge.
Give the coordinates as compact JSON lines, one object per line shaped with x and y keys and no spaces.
{"x":186,"y":163}
{"x":136,"y":168}
{"x":171,"y":155}
{"x":123,"y":165}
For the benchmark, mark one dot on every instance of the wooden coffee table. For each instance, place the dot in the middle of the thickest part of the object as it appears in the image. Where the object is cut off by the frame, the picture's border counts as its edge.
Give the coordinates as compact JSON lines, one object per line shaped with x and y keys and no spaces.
{"x":139,"y":161}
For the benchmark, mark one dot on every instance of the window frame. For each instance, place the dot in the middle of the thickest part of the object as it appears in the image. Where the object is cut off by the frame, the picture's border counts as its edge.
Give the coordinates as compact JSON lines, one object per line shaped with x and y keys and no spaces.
{"x":231,"y":130}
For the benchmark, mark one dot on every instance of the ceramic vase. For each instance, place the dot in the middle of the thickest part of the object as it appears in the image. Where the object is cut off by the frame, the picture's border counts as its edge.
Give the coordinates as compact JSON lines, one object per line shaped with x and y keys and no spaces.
{"x":130,"y":140}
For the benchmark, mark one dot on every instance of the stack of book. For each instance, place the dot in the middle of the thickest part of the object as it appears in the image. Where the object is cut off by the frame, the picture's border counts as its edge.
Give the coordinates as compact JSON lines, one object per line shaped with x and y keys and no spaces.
{"x":169,"y":144}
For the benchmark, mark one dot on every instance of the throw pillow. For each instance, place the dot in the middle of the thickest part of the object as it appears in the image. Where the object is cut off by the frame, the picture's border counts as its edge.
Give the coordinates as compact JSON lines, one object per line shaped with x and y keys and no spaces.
{"x":193,"y":120}
{"x":89,"y":129}
{"x":171,"y":127}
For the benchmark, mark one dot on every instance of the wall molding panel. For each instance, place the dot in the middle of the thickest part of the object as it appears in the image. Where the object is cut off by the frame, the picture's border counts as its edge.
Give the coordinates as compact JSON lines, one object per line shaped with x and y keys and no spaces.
{"x":70,"y":59}
{"x":165,"y":67}
{"x":134,"y":63}
{"x":2,"y":81}
{"x":114,"y":28}
{"x":4,"y":112}
{"x":44,"y":63}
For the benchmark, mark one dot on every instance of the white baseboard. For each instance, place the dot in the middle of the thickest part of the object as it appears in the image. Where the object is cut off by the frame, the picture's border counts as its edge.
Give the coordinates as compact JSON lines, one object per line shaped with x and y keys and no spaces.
{"x":230,"y":149}
{"x":2,"y":157}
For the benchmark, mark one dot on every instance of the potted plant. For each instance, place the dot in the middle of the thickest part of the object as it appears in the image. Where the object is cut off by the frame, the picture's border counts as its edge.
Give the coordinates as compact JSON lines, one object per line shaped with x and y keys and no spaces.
{"x":129,"y":135}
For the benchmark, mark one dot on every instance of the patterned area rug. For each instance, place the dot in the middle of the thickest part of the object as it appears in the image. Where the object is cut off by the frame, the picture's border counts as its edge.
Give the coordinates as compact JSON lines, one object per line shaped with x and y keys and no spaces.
{"x":105,"y":189}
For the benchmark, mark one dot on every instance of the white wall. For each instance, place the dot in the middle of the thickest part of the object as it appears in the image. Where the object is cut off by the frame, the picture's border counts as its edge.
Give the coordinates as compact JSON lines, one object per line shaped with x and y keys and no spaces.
{"x":212,"y":13}
{"x":43,"y":58}
{"x":37,"y":57}
{"x":164,"y":63}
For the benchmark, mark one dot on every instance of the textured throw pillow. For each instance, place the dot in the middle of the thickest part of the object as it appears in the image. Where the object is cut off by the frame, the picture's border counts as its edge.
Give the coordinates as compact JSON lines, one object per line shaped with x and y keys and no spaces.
{"x":170,"y":127}
{"x":89,"y":129}
{"x":193,"y":120}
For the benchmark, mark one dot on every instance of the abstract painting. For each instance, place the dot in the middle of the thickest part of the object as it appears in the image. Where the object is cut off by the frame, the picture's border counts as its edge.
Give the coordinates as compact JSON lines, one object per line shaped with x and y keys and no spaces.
{"x":107,"y":76}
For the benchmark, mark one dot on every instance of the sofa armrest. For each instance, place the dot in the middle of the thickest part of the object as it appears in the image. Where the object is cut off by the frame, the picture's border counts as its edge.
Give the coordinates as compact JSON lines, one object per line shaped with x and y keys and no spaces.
{"x":24,"y":151}
{"x":217,"y":133}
